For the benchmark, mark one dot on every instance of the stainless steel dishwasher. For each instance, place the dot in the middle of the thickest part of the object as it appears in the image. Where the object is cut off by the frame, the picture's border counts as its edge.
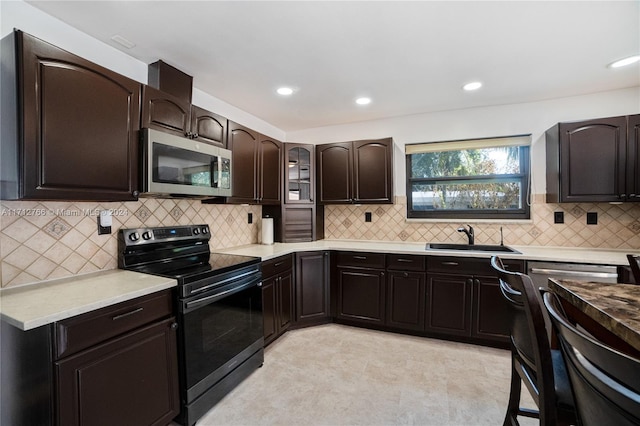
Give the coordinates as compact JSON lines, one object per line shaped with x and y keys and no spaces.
{"x":540,"y":272}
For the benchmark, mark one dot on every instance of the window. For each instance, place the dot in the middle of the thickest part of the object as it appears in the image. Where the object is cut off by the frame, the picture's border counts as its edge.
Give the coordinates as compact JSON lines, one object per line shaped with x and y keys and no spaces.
{"x":472,"y":179}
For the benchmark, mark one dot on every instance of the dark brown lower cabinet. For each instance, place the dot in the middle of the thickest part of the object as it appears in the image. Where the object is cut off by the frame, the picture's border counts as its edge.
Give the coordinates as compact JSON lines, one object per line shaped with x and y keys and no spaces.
{"x":361,"y":295}
{"x":312,"y":287}
{"x":117,"y":365}
{"x":406,"y":300}
{"x":277,"y":296}
{"x":126,"y":381}
{"x":490,"y":311}
{"x":449,"y":304}
{"x":464,"y":299}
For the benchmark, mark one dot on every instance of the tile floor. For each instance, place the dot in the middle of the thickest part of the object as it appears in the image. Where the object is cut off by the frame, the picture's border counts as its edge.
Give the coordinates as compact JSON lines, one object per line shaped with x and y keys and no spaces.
{"x":339,"y":375}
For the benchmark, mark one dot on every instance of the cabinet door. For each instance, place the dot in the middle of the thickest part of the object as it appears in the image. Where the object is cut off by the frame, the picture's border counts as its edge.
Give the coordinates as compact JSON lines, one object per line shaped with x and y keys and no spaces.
{"x":449,"y":304}
{"x":406,"y":300}
{"x":361,"y":295}
{"x":372,"y":171}
{"x":165,"y":112}
{"x":208,"y":127}
{"x":80,"y":126}
{"x":243,"y":142}
{"x":592,"y":160}
{"x":312,"y":286}
{"x":490,"y":310}
{"x":285,"y":299}
{"x":270,"y":171}
{"x":299,"y":174}
{"x":269,"y":309}
{"x":131,"y":380}
{"x":633,"y":159}
{"x":333,"y":170}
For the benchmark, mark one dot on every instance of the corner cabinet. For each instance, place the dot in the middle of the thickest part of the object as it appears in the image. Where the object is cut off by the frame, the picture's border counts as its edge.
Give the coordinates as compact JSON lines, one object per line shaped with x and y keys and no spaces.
{"x":277,"y":296}
{"x":355,"y":172}
{"x":594,"y":160}
{"x":257,"y":165}
{"x":78,"y":126}
{"x":312,"y":288}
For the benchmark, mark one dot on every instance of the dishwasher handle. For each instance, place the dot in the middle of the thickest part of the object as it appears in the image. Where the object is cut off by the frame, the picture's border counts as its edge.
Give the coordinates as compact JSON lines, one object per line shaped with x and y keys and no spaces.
{"x":581,"y":274}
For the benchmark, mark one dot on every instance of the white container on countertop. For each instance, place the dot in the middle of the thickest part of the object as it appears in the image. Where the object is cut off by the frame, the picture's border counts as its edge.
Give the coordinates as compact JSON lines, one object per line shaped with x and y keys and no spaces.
{"x":267,"y":230}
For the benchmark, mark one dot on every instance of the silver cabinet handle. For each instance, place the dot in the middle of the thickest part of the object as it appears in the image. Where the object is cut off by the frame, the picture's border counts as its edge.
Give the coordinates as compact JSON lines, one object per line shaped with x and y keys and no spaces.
{"x":360,"y":257}
{"x":450,"y":263}
{"x":126,"y":314}
{"x":573,"y":273}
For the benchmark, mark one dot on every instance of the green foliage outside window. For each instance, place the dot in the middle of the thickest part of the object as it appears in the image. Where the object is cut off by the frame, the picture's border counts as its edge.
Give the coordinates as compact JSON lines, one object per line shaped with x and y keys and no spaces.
{"x":485,"y":182}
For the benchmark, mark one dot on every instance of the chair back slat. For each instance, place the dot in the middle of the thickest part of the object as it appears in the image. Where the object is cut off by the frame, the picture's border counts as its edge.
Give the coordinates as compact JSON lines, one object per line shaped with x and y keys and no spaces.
{"x":634,"y":264}
{"x":605,"y":382}
{"x":529,"y":336}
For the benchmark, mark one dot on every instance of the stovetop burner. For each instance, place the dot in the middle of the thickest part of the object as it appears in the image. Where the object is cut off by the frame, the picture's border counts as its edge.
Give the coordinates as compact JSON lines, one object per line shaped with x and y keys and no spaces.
{"x":180,"y":252}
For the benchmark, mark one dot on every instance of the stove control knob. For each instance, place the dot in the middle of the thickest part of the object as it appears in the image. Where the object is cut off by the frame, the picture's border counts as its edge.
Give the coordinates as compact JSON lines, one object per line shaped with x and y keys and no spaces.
{"x":134,"y":236}
{"x":196,"y":231}
{"x":146,"y":235}
{"x":205,"y":230}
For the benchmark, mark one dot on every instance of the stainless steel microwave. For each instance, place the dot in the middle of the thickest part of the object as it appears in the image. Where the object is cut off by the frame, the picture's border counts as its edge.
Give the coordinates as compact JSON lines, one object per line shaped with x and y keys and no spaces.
{"x":173,"y":166}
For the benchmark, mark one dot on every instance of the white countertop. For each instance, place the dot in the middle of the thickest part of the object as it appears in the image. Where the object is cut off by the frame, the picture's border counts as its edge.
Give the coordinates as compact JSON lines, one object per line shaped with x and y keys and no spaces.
{"x":554,"y":254}
{"x":34,"y":305}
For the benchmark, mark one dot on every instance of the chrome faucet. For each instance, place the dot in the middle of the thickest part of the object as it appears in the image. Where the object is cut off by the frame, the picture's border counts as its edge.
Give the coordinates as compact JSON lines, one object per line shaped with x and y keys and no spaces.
{"x":469,"y":233}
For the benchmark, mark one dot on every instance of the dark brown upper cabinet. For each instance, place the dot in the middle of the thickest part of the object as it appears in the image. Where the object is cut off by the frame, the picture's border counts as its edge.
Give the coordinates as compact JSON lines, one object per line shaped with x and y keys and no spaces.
{"x":593,"y":161}
{"x":359,"y":172}
{"x":165,"y":112}
{"x":299,"y":166}
{"x":257,"y":166}
{"x":77,"y":126}
{"x":167,"y":107}
{"x":208,"y":127}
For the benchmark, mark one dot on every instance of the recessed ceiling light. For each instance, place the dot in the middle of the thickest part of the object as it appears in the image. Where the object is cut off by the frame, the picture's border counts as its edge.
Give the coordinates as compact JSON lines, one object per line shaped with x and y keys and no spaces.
{"x":123,"y":41}
{"x":363,"y":101}
{"x":285,"y":91}
{"x":475,"y":85}
{"x":626,"y":61}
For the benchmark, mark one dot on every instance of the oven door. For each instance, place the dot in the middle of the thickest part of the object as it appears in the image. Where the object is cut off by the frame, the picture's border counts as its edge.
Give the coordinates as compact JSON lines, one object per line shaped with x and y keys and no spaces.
{"x":219,"y":330}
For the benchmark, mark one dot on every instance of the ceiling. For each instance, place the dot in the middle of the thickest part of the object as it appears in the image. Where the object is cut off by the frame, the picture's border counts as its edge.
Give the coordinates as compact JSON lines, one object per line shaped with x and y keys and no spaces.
{"x":408,"y":57}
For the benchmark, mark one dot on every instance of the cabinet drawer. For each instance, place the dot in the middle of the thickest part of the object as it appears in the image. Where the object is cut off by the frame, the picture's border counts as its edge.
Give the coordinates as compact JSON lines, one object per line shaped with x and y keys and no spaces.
{"x":83,"y":331}
{"x":361,"y":260}
{"x":277,"y":265}
{"x":402,"y":262}
{"x":469,"y":265}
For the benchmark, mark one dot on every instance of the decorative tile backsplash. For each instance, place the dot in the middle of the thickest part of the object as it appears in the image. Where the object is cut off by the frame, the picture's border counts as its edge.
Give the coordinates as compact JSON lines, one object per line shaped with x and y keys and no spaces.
{"x":618,"y":226}
{"x":46,"y":240}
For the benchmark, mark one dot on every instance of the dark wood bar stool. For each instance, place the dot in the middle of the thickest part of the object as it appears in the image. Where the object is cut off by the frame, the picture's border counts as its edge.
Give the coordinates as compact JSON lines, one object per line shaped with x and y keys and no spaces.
{"x":605,"y":382}
{"x":533,"y":363}
{"x":634,"y":263}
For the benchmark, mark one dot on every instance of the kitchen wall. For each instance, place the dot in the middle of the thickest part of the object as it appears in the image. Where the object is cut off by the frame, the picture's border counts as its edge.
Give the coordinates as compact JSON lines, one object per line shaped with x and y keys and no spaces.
{"x":47,"y":240}
{"x":40,"y":241}
{"x":618,"y":225}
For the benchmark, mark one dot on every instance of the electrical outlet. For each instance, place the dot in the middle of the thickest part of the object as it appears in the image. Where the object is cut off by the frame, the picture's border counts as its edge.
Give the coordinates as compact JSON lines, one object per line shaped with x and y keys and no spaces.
{"x":367,"y":217}
{"x":558,"y":217}
{"x":250,"y":218}
{"x":592,"y":218}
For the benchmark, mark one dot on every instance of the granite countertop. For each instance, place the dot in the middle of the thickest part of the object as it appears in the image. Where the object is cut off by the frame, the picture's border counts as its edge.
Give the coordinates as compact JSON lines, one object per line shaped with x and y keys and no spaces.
{"x":615,"y":306}
{"x":552,"y":254}
{"x":34,"y":305}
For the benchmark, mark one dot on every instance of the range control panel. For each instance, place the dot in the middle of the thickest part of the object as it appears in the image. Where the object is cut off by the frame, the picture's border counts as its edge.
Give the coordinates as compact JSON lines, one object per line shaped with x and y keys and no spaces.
{"x":140,"y":236}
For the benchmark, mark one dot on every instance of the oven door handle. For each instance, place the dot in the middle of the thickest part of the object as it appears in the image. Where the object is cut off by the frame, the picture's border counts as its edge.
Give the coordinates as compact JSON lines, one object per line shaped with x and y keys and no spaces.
{"x":195,"y":304}
{"x":223,"y":282}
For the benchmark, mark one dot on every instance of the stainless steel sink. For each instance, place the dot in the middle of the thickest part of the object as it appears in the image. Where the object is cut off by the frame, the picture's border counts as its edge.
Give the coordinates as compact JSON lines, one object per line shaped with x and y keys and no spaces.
{"x":474,"y":247}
